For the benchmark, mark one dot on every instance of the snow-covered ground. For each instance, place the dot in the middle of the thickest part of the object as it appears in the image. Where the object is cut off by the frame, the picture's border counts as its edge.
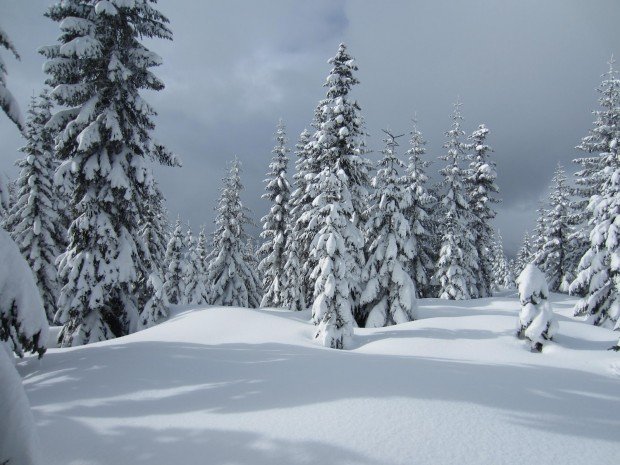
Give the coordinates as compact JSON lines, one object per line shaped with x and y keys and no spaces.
{"x":227,"y":386}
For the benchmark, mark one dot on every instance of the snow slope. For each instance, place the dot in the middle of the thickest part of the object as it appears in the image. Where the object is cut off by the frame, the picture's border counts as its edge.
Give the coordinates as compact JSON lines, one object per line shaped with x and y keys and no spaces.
{"x":227,"y":386}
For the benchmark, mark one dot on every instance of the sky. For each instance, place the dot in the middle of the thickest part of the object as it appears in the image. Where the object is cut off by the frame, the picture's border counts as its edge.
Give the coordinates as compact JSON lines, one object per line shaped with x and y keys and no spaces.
{"x":528,"y":69}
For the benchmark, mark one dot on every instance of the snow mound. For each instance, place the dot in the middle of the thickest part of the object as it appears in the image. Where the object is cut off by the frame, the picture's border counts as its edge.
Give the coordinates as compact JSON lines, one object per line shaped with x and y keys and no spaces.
{"x":250,"y":387}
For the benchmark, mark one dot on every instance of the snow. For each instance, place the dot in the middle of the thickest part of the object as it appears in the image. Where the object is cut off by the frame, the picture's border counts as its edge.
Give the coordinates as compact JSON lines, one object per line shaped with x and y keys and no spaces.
{"x":239,"y":386}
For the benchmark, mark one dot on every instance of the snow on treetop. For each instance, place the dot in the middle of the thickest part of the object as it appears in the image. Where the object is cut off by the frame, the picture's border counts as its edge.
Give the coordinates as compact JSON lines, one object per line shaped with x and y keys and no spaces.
{"x":532,"y":284}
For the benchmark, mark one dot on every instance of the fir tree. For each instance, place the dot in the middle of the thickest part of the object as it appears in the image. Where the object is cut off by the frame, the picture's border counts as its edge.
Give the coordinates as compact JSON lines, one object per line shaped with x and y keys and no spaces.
{"x":481,"y":187}
{"x":275,"y":223}
{"x":195,"y":273}
{"x":292,"y":290}
{"x":536,"y":320}
{"x":175,"y":265}
{"x":338,"y":141}
{"x":539,"y":237}
{"x":332,"y":308}
{"x":301,"y":200}
{"x":389,"y":295}
{"x":553,"y":258}
{"x":420,"y":215}
{"x":598,"y":277}
{"x":23,"y":324}
{"x":232,"y":281}
{"x":104,"y":141}
{"x":501,"y":278}
{"x":33,"y":221}
{"x":457,"y":264}
{"x":525,"y":255}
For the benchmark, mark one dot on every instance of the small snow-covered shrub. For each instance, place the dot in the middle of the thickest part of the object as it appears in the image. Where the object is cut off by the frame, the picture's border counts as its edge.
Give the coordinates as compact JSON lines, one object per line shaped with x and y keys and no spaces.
{"x":536,"y":320}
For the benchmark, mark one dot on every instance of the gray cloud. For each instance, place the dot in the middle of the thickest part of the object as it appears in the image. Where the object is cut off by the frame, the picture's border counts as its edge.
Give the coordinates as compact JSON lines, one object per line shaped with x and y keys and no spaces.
{"x":526,"y":68}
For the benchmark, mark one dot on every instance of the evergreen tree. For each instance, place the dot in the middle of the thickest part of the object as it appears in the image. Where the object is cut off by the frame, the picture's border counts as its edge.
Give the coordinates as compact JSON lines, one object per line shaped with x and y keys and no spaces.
{"x":275,"y":223}
{"x":338,"y":141}
{"x":233,"y":282}
{"x":598,"y":278}
{"x":175,"y":266}
{"x":292,"y":291}
{"x":420,"y":214}
{"x":389,"y":295}
{"x":539,"y":238}
{"x":501,"y":278}
{"x":23,"y":324}
{"x":195,"y":273}
{"x":104,"y":141}
{"x":481,"y":187}
{"x":8,"y":104}
{"x":553,"y":258}
{"x":332,"y":308}
{"x":536,"y":320}
{"x":525,"y":255}
{"x":301,"y":200}
{"x":457,"y":264}
{"x":33,"y":221}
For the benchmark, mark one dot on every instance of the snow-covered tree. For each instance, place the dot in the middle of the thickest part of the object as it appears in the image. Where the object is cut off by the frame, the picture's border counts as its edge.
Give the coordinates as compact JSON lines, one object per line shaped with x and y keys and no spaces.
{"x":233,"y":282}
{"x":553,"y":258}
{"x":174,"y":266}
{"x":590,"y":177}
{"x":481,"y":188}
{"x":23,"y":323}
{"x":457,"y":265}
{"x":389,"y":295}
{"x":301,"y":199}
{"x":525,"y":255}
{"x":292,"y":290}
{"x":8,"y":104}
{"x":338,"y":142}
{"x":275,"y":223}
{"x":332,"y":308}
{"x":598,"y":278}
{"x":194,"y":273}
{"x":420,"y":215}
{"x":500,"y":264}
{"x":539,"y":236}
{"x":536,"y":320}
{"x":104,"y":141}
{"x":156,"y":309}
{"x":33,"y":221}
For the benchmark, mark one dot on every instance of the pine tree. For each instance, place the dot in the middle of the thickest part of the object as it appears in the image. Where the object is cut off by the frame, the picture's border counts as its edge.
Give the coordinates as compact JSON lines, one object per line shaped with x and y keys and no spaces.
{"x":104,"y":141}
{"x":553,"y":258}
{"x":23,"y":323}
{"x":457,"y":264}
{"x":501,"y":278}
{"x":298,"y":248}
{"x":389,"y":295}
{"x":332,"y":308}
{"x":338,"y":141}
{"x":539,"y":238}
{"x":275,"y":223}
{"x":33,"y":222}
{"x":292,"y":290}
{"x":598,"y":278}
{"x":233,"y":282}
{"x":536,"y":320}
{"x":590,"y":177}
{"x":481,"y":187}
{"x":8,"y":104}
{"x":420,"y":215}
{"x":525,"y":255}
{"x":194,"y":275}
{"x":175,"y":265}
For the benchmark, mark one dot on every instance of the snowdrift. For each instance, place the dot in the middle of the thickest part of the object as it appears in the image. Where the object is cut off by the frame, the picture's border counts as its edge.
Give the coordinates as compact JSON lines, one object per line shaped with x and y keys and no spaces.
{"x":236,"y":386}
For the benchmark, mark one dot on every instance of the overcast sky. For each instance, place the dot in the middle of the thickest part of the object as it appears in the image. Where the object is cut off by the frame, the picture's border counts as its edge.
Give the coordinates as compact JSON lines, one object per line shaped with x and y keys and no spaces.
{"x":526,"y":68}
